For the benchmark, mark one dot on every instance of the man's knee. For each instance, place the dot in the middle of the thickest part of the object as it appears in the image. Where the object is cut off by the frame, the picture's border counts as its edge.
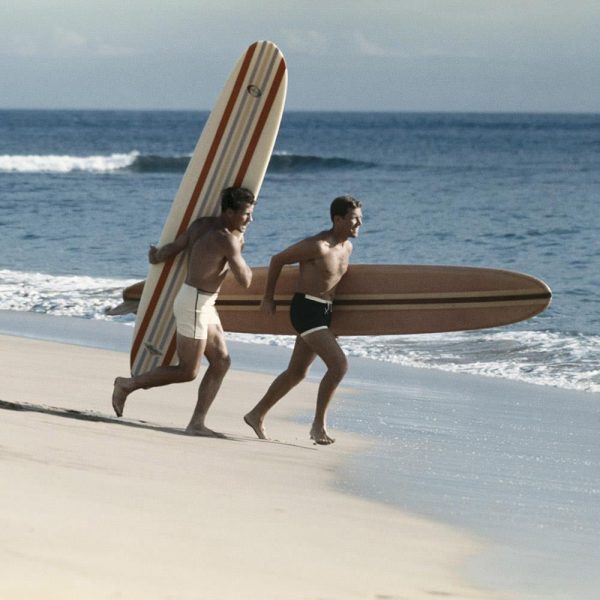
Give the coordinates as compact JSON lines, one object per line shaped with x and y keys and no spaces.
{"x":339,"y":368}
{"x":296,"y":374}
{"x":188,"y":372}
{"x":220,"y":363}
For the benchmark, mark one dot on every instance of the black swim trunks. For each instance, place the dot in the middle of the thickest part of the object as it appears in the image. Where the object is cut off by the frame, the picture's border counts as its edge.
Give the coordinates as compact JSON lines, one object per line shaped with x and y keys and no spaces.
{"x":309,"y":313}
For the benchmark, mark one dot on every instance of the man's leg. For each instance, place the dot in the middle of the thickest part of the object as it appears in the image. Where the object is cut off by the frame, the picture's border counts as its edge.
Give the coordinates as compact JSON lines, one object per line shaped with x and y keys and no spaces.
{"x":325,"y":345}
{"x":218,"y":364}
{"x":302,"y":358}
{"x":189,"y":352}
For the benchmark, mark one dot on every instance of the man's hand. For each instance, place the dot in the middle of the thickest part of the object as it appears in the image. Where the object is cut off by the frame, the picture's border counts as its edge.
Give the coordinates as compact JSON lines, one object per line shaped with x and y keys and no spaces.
{"x":153,"y":255}
{"x":267,"y":306}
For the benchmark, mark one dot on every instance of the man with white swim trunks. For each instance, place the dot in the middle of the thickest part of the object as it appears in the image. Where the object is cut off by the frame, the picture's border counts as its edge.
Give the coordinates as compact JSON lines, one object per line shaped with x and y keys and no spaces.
{"x":213,"y":246}
{"x":323,"y":260}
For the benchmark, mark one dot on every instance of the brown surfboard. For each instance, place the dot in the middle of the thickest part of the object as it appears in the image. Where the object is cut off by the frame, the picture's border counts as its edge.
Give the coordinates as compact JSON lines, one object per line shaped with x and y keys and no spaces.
{"x":390,"y":300}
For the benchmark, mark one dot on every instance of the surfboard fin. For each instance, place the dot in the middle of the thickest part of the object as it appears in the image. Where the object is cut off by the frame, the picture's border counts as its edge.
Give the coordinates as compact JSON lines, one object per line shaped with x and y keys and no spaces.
{"x":126,"y":307}
{"x":153,"y":349}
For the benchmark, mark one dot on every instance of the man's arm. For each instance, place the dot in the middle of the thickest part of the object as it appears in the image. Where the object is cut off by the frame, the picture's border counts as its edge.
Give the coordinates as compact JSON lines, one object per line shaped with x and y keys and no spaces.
{"x":168,"y":251}
{"x":307,"y":249}
{"x":238,"y":266}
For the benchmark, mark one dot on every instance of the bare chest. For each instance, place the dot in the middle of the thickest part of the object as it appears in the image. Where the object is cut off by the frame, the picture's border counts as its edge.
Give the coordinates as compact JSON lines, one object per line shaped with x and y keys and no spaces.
{"x":333,"y":264}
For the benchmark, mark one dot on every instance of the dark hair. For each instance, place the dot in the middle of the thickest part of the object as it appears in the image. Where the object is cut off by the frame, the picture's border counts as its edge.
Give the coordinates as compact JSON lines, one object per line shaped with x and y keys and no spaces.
{"x":235,"y":198}
{"x":342,"y":204}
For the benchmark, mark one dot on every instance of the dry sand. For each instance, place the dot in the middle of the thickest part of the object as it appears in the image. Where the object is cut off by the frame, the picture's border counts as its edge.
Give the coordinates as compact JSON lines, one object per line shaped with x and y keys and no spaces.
{"x":93,"y":509}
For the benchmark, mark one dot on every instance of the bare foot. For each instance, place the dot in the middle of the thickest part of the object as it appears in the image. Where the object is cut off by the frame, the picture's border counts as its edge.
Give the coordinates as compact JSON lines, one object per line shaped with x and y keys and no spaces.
{"x":202,"y":431}
{"x":319,"y":436}
{"x":256,"y":425}
{"x":120,"y":393}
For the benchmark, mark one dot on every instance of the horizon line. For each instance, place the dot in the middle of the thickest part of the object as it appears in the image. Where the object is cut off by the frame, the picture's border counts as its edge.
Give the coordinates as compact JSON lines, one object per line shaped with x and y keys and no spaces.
{"x":315,"y":110}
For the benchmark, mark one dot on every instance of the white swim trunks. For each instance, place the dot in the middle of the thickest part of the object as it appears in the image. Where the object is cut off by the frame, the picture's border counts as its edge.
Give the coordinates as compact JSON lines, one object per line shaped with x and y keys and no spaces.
{"x":194,"y":311}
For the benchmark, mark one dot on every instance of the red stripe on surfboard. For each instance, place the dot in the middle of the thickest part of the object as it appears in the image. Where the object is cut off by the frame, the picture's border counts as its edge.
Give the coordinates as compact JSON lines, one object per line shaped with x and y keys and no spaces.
{"x":168,"y":357}
{"x":194,"y":198}
{"x":261,"y":122}
{"x":170,"y":353}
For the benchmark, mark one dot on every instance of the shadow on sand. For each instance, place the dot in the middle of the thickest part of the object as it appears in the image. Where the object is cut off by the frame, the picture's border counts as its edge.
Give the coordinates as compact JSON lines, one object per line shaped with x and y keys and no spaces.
{"x":96,"y":417}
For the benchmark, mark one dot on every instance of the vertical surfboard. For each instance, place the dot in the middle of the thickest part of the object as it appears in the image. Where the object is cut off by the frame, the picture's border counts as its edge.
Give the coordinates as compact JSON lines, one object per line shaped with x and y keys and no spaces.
{"x":233,"y":150}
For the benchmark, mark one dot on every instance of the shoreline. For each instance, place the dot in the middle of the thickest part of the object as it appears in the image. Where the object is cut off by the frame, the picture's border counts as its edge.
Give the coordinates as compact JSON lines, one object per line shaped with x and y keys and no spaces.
{"x":180,"y":502}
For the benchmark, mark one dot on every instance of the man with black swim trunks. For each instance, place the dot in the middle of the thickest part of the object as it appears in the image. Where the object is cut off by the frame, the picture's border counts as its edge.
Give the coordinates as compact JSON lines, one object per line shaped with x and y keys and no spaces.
{"x":323,"y":259}
{"x":213,"y":246}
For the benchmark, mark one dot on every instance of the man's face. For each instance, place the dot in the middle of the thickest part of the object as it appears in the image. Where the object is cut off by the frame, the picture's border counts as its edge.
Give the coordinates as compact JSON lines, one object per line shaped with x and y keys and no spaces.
{"x":352,"y":222}
{"x":240,"y":219}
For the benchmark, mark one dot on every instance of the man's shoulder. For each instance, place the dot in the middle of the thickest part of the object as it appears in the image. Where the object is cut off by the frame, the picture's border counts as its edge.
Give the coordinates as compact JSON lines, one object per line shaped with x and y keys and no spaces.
{"x":315,"y":246}
{"x":226,"y":240}
{"x":318,"y":239}
{"x":202,"y":226}
{"x":203,"y":222}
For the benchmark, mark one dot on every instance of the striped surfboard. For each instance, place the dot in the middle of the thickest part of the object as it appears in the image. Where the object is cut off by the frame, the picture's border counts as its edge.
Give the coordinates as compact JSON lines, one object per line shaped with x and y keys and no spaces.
{"x":234,"y":149}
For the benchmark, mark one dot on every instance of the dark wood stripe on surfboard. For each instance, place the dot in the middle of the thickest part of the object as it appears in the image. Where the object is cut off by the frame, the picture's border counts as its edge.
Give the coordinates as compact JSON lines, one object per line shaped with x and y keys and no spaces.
{"x":504,"y":298}
{"x":400,"y":301}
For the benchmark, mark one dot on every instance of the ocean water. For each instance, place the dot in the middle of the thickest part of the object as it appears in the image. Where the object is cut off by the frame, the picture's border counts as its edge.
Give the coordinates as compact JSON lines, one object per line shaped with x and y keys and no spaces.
{"x":83,"y":194}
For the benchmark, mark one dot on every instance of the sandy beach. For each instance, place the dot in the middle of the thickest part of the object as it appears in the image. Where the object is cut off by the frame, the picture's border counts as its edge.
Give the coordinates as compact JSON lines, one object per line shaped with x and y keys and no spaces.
{"x":98,"y":508}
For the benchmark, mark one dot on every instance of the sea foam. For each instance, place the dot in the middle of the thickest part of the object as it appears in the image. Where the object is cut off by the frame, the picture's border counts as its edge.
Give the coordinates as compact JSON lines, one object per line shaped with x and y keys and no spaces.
{"x":54,"y":163}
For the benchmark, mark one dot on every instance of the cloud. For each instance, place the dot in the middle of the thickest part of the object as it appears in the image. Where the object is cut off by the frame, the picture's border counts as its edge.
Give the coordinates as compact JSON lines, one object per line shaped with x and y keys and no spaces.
{"x":115,"y":51}
{"x":21,"y":45}
{"x":367,"y":47}
{"x":305,"y":41}
{"x":65,"y":39}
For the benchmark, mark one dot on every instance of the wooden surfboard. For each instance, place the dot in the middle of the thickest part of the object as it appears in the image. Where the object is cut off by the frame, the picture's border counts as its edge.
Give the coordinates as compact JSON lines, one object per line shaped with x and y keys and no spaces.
{"x":391,"y":300}
{"x":233,"y":150}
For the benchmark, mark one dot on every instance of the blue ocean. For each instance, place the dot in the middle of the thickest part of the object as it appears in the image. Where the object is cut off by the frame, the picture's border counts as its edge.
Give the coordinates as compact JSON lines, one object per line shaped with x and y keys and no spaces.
{"x":84,"y":193}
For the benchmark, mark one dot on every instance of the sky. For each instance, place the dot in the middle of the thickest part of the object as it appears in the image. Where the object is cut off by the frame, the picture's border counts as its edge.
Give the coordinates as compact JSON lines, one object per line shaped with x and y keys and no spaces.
{"x":374,"y":55}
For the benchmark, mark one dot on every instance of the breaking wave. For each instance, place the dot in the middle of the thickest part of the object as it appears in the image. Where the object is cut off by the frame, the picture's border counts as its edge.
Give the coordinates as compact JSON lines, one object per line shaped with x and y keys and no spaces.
{"x":136,"y":162}
{"x":55,"y":163}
